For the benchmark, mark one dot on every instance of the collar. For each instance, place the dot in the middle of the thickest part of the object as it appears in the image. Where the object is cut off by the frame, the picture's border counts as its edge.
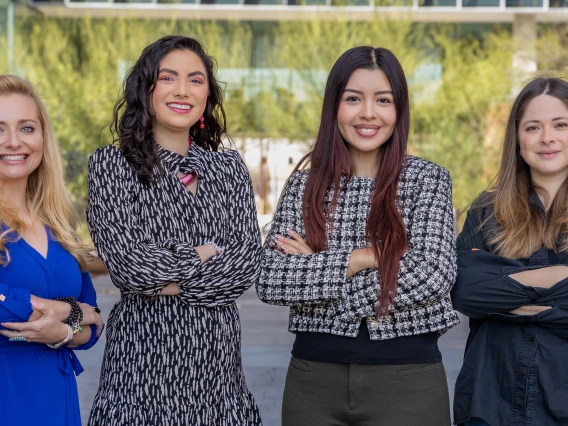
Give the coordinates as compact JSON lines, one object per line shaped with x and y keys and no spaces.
{"x":535,"y":199}
{"x":191,"y":162}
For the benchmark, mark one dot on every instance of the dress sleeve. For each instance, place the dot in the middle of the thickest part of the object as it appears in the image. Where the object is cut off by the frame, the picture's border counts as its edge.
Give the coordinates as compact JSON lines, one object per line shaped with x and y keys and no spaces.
{"x":295,"y":279}
{"x":136,"y":263}
{"x":88,"y":296}
{"x":227,"y":275}
{"x":428,"y":269}
{"x":15,"y":304}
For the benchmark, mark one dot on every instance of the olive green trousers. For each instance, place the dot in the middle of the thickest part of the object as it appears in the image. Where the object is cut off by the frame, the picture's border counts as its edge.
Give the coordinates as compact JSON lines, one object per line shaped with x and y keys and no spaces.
{"x":329,"y":394}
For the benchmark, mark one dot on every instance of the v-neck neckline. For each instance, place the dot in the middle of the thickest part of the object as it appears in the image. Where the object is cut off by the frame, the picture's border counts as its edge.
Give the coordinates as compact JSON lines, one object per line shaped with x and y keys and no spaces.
{"x":34,"y":251}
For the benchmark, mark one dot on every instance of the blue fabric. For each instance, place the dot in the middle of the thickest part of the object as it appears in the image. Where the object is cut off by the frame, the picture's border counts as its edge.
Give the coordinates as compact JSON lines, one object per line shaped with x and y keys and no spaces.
{"x":37,"y":383}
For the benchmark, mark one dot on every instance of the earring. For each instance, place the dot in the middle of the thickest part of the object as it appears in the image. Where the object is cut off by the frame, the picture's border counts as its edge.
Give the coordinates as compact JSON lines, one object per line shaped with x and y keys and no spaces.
{"x":201,"y":123}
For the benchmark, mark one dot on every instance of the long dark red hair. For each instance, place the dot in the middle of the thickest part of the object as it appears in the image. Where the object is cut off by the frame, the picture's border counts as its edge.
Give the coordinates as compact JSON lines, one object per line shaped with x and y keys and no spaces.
{"x":330,"y":160}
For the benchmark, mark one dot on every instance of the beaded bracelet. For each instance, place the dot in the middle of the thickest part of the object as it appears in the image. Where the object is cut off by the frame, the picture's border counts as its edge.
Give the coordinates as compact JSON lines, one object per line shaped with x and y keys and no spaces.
{"x":218,"y":248}
{"x":76,"y":316}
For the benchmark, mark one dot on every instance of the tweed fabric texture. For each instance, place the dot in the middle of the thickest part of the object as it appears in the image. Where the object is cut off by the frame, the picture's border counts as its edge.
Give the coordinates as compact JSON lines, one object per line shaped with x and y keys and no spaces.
{"x":174,"y":360}
{"x":322,"y":300}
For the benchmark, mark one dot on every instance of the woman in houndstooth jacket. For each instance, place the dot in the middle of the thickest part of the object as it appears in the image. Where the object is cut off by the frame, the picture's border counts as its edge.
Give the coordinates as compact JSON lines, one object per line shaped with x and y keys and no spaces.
{"x":362,"y":249}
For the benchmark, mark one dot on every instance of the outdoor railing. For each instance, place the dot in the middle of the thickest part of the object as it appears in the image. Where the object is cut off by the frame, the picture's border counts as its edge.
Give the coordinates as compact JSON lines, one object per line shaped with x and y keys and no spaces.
{"x":503,"y":5}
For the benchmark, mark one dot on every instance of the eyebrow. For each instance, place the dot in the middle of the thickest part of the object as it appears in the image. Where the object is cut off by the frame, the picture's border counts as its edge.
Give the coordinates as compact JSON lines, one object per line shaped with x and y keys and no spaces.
{"x":380,"y":92}
{"x":173,"y":72}
{"x":554,"y":119}
{"x":25,"y":120}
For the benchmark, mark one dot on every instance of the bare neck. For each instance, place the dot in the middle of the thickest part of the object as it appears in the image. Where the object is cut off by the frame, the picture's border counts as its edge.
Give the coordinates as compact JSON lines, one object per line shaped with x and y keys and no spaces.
{"x":365,"y":164}
{"x":551,"y":184}
{"x":172,"y":141}
{"x":14,"y":195}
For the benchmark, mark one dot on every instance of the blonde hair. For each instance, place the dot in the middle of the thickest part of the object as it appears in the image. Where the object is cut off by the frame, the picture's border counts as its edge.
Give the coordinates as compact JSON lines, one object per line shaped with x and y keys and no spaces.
{"x":522,"y":227}
{"x":46,"y":194}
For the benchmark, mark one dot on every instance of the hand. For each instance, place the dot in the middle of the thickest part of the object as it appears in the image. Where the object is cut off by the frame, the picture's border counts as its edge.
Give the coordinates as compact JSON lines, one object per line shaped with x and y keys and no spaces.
{"x":90,"y":317}
{"x":47,"y":329}
{"x":530,"y":310}
{"x":205,"y":252}
{"x":171,"y":289}
{"x":360,"y":260}
{"x":294,"y":245}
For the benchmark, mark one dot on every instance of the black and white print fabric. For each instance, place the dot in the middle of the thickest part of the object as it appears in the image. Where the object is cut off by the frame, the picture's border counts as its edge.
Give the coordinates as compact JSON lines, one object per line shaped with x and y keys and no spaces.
{"x":322,"y":300}
{"x":174,"y":360}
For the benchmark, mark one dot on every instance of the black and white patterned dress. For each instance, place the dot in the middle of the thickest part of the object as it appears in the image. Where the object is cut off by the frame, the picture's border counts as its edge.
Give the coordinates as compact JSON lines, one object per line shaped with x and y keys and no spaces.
{"x":174,"y":360}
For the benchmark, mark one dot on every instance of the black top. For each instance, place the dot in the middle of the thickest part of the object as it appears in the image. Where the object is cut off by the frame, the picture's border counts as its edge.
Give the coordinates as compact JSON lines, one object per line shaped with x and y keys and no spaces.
{"x":514,"y":370}
{"x":324,"y":347}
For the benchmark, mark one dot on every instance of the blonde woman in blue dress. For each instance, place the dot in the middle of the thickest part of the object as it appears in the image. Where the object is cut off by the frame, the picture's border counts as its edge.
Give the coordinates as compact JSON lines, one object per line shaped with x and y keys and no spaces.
{"x":40,"y":261}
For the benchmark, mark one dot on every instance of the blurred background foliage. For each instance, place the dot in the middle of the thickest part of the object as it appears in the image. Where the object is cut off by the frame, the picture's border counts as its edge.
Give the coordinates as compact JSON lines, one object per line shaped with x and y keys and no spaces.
{"x":459,"y":77}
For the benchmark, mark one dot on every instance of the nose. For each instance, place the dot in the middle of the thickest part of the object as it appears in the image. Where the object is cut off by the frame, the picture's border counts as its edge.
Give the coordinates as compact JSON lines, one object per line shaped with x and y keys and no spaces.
{"x":181,"y":89}
{"x":547,"y":135}
{"x":368,"y":110}
{"x":11,"y":140}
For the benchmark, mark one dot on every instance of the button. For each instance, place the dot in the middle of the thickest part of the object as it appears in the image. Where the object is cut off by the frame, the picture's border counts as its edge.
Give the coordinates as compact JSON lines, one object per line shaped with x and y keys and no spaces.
{"x":374,"y":325}
{"x":531,"y":339}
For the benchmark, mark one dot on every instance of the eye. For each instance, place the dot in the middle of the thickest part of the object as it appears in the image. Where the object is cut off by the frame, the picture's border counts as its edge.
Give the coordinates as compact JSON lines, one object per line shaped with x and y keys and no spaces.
{"x":166,"y":78}
{"x":384,"y":101}
{"x":196,"y":81}
{"x":562,"y":125}
{"x":28,"y":129}
{"x":531,"y":128}
{"x":351,"y":99}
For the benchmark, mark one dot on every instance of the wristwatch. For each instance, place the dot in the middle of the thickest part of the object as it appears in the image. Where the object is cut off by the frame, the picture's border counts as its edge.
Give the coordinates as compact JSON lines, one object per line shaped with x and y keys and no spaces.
{"x":67,"y":339}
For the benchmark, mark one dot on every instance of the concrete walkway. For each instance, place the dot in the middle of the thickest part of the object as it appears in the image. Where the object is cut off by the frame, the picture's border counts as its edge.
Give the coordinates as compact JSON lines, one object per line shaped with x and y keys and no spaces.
{"x":266,"y":350}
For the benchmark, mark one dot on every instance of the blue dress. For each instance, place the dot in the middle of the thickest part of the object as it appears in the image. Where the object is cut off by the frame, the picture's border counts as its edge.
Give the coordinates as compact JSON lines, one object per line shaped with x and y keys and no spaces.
{"x":37,"y":383}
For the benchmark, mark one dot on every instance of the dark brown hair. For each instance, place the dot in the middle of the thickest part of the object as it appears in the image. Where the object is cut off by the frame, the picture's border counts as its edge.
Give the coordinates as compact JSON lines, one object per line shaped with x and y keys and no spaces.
{"x":330,"y":160}
{"x":133,"y":117}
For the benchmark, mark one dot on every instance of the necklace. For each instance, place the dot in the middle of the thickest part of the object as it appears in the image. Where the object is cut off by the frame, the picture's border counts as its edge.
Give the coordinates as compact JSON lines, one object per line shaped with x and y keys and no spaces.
{"x":190,"y":177}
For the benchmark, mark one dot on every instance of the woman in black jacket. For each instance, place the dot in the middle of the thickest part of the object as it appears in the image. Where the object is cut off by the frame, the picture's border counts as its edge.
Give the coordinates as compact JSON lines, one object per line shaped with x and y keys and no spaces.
{"x":513,"y":275}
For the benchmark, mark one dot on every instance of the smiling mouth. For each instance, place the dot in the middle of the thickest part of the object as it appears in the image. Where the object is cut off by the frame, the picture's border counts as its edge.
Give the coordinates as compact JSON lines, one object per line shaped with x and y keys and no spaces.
{"x":367,"y":131}
{"x":173,"y":105}
{"x":14,"y":157}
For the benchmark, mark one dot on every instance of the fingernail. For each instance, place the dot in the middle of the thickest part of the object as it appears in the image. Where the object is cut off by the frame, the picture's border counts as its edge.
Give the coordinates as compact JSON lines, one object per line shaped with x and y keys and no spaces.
{"x":34,"y":304}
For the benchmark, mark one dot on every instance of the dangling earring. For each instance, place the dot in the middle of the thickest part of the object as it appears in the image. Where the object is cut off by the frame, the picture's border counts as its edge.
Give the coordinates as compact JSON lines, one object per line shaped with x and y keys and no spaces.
{"x":201,"y":123}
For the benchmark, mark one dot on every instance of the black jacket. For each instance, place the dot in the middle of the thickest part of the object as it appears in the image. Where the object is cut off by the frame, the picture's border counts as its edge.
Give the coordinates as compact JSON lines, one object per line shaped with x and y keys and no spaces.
{"x":515,"y":369}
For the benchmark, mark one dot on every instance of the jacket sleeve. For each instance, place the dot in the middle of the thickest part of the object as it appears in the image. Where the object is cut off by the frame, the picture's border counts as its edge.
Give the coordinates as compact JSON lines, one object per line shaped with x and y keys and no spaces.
{"x":227,"y":275}
{"x":135,"y":262}
{"x":428,"y":269}
{"x":15,"y":304}
{"x":88,"y":296}
{"x":296,"y":279}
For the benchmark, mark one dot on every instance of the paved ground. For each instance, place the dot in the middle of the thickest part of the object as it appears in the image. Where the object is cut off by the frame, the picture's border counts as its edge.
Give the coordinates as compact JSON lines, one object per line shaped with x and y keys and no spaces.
{"x":266,"y":352}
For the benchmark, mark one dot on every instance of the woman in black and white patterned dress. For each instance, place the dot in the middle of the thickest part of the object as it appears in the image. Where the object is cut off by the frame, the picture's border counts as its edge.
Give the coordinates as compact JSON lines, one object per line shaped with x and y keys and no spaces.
{"x":174,"y":221}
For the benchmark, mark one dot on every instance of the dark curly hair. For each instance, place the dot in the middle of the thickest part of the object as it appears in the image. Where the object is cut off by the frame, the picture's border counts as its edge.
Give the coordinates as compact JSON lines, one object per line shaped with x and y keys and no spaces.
{"x":133,"y":116}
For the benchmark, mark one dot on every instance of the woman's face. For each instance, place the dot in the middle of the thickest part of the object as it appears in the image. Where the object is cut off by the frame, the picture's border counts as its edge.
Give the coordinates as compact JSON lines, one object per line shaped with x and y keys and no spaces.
{"x":543,"y":138}
{"x":180,"y":94}
{"x":21,"y":138}
{"x":367,"y":113}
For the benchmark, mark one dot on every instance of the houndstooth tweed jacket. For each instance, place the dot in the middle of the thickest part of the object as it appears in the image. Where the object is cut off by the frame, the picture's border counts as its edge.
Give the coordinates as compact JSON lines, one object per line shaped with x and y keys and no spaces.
{"x":322,"y":300}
